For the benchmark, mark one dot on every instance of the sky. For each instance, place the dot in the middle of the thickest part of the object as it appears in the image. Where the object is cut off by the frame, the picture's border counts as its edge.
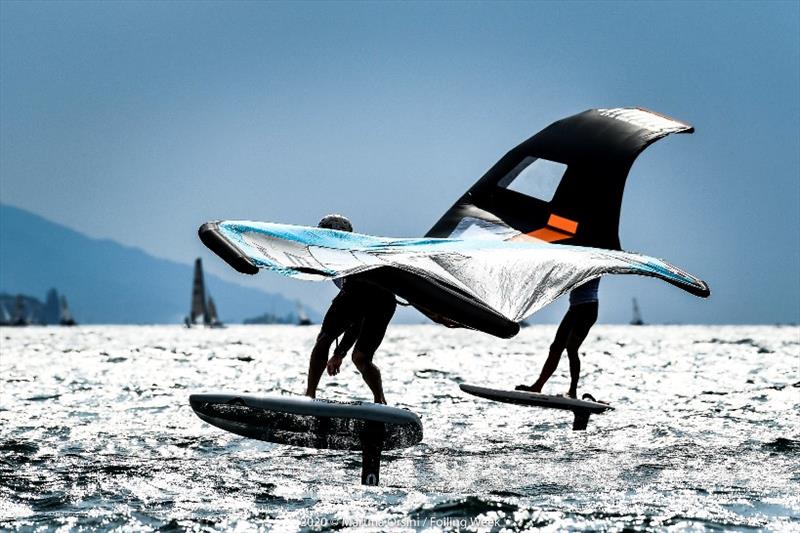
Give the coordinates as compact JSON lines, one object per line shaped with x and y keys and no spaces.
{"x":140,"y":121}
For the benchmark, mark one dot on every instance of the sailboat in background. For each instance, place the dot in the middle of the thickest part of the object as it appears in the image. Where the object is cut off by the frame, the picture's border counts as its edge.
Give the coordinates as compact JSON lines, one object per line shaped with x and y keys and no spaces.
{"x":302,"y":317}
{"x":5,"y":316}
{"x":65,"y":317}
{"x":202,"y":309}
{"x":21,"y":317}
{"x":637,"y":315}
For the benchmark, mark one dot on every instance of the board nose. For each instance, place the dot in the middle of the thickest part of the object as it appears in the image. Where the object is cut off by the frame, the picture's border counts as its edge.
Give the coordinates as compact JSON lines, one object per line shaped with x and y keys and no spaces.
{"x":198,"y":402}
{"x":210,"y":403}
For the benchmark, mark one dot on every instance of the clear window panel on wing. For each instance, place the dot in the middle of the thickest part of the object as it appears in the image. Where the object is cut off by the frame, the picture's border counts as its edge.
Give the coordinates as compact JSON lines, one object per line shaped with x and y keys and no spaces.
{"x":534,"y":177}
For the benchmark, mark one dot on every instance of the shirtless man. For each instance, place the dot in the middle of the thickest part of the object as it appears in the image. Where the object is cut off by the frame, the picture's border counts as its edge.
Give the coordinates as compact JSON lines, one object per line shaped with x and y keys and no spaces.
{"x":361,"y":311}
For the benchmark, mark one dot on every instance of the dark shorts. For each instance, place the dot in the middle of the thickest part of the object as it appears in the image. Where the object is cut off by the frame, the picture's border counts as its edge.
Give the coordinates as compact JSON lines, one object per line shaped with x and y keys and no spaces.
{"x":575,"y":326}
{"x":586,"y":293}
{"x":368,"y":306}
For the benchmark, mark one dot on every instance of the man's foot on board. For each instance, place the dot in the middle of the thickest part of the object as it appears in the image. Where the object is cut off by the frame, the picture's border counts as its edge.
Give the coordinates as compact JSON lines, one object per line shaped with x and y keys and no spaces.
{"x":588,"y":397}
{"x":528,"y":388}
{"x":571,"y":394}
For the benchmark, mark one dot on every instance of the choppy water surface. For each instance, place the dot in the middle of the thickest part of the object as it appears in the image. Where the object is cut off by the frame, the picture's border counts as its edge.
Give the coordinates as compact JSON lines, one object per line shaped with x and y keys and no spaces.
{"x":96,"y":431}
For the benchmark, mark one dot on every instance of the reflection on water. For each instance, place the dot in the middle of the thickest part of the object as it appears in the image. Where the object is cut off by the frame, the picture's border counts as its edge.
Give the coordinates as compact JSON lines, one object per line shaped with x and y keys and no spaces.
{"x":96,"y":432}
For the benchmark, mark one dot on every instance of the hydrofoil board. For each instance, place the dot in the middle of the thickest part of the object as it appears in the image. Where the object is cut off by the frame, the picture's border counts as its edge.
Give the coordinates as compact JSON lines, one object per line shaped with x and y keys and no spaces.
{"x":322,"y":424}
{"x":581,"y":408}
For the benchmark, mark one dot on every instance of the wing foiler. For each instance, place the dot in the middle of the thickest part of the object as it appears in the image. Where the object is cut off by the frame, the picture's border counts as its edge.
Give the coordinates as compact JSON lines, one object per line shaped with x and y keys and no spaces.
{"x":499,"y":254}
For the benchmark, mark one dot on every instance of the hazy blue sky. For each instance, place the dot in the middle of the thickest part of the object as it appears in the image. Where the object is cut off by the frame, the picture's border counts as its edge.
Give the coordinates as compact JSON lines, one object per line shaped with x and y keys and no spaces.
{"x":140,"y":121}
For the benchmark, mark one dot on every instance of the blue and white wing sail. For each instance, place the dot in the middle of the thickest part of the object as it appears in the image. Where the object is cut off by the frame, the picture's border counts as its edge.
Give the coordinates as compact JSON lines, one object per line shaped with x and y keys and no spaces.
{"x":513,"y":279}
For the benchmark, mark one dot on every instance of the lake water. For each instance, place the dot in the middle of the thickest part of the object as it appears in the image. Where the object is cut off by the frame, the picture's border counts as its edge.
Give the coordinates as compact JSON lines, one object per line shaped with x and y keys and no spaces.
{"x":96,"y":432}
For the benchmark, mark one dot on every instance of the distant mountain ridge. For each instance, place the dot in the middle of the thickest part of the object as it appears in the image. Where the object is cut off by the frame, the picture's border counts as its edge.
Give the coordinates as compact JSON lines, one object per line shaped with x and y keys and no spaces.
{"x":110,"y":283}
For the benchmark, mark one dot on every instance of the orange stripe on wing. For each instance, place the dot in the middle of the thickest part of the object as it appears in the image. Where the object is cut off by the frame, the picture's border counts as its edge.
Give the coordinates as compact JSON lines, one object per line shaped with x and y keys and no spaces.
{"x":549,"y":235}
{"x":565,"y":224}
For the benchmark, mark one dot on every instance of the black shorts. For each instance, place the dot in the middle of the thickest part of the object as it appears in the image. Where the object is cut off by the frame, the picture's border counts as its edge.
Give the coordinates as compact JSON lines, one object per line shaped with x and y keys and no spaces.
{"x":368,"y":306}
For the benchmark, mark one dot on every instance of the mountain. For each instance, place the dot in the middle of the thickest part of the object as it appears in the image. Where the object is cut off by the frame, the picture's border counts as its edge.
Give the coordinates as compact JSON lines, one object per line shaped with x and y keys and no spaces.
{"x":109,"y":283}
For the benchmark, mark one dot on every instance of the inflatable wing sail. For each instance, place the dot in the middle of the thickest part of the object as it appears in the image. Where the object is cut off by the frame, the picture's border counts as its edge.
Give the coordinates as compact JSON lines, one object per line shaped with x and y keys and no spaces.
{"x":562,"y":185}
{"x":488,"y":285}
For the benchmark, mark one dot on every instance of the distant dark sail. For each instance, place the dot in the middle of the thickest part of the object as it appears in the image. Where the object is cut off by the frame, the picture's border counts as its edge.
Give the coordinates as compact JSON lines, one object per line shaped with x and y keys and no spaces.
{"x":21,"y":314}
{"x":52,"y":308}
{"x":637,"y":315}
{"x":5,"y":316}
{"x":65,"y":315}
{"x":302,"y":317}
{"x":212,"y":310}
{"x":213,"y":319}
{"x":198,"y":308}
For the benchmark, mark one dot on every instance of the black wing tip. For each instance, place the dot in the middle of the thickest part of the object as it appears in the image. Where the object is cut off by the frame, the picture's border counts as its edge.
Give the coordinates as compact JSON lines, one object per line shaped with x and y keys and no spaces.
{"x":687,"y":129}
{"x":699,"y":289}
{"x":704,"y":291}
{"x":210,"y":235}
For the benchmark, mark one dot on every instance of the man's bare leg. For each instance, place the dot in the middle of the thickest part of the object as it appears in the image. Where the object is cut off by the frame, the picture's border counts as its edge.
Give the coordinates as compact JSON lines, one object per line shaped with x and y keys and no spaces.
{"x":574,"y":372}
{"x":548,"y":368}
{"x":370,"y":373}
{"x":317,"y":363}
{"x":553,"y":356}
{"x":586,"y":315}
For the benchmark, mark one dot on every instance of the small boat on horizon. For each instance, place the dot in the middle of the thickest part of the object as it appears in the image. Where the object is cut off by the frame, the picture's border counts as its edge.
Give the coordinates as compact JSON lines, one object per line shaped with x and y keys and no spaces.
{"x":302,"y":317}
{"x":636,"y":320}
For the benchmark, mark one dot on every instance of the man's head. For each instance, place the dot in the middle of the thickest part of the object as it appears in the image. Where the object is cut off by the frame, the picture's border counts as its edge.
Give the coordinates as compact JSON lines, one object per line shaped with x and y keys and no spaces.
{"x":337,"y":222}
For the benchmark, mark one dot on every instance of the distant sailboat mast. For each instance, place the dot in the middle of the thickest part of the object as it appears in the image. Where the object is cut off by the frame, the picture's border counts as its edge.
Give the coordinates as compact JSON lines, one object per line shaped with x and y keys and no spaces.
{"x":637,"y":315}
